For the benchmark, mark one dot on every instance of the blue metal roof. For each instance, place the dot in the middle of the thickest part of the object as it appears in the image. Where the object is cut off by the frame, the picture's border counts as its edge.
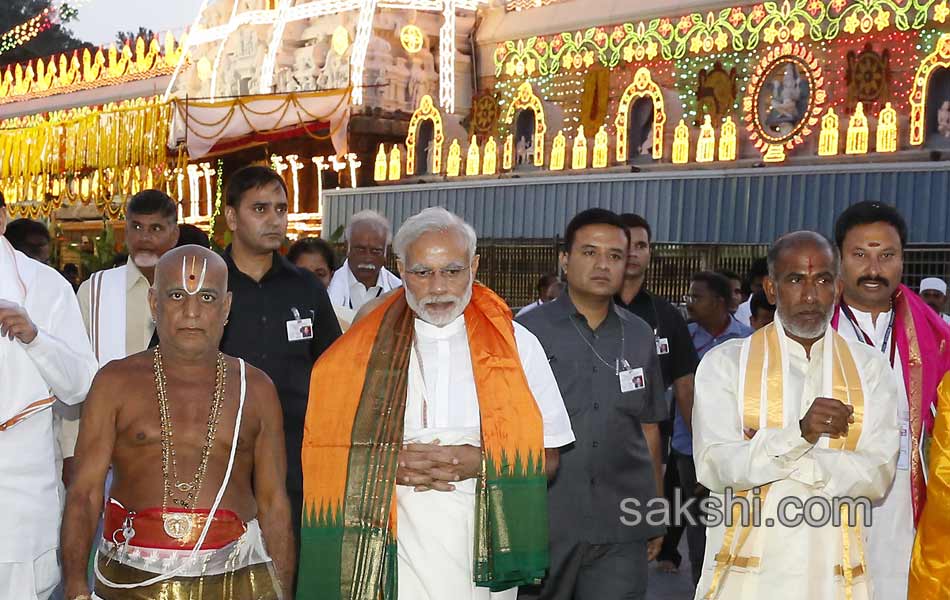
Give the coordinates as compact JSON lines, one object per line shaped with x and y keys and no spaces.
{"x":733,"y":206}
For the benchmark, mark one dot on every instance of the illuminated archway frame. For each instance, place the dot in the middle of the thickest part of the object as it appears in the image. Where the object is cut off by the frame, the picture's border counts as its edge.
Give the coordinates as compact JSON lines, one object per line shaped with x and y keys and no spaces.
{"x":918,"y":93}
{"x":527,"y":99}
{"x":426,"y":112}
{"x":643,"y":86}
{"x":774,"y":147}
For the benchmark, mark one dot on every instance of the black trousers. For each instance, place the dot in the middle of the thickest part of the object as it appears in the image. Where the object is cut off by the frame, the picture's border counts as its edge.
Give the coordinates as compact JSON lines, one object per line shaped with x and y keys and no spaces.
{"x":583,"y":571}
{"x":695,"y":534}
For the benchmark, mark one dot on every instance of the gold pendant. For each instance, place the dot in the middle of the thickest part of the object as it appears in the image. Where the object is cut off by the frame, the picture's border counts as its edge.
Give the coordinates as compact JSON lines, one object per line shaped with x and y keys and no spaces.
{"x":184,"y":487}
{"x":178,"y":525}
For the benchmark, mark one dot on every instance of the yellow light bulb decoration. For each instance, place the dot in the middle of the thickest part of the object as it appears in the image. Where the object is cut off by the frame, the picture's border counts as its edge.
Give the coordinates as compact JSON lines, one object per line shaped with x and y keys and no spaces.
{"x":411,"y":38}
{"x":828,"y":139}
{"x":727,"y":140}
{"x":558,"y":149}
{"x":857,"y":132}
{"x":381,"y":168}
{"x":887,"y":129}
{"x":453,"y":164}
{"x":706,"y":145}
{"x":601,"y":148}
{"x":508,"y":157}
{"x":340,"y":42}
{"x":681,"y":144}
{"x":473,"y":158}
{"x":395,"y":164}
{"x":490,"y":158}
{"x":579,"y":151}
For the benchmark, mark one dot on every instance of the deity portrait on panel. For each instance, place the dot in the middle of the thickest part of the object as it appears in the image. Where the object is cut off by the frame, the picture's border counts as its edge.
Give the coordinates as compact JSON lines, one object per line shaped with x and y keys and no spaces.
{"x":784,"y":99}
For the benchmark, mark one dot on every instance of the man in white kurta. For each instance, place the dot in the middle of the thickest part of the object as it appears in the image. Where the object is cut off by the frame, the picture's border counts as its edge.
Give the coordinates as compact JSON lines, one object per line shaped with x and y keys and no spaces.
{"x":820,"y":561}
{"x":363,"y":278}
{"x":48,"y":358}
{"x":437,"y":529}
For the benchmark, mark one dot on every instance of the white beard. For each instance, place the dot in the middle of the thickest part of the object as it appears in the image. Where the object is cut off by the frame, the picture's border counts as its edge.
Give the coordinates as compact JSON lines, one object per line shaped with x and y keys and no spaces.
{"x":145,"y":260}
{"x":459,"y":304}
{"x":809,"y":334}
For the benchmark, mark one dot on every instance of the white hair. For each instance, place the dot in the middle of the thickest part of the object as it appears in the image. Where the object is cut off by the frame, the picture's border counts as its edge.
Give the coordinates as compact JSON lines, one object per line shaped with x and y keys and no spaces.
{"x":435,"y":218}
{"x":372,"y":219}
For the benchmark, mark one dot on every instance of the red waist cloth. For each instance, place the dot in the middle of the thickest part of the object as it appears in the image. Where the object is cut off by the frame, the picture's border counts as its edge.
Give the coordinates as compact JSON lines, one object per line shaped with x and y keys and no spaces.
{"x":149,"y":526}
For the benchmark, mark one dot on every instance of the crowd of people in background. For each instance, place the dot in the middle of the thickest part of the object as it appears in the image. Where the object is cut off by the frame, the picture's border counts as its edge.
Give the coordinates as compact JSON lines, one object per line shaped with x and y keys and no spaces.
{"x":426,"y":381}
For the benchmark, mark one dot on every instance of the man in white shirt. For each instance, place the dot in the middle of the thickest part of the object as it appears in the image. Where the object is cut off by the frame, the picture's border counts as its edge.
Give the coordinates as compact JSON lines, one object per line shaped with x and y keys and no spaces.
{"x":933,"y":291}
{"x":460,"y":416}
{"x":549,"y":287}
{"x":114,"y":302}
{"x":44,"y":356}
{"x":802,"y":424}
{"x":877,"y":310}
{"x":363,"y":277}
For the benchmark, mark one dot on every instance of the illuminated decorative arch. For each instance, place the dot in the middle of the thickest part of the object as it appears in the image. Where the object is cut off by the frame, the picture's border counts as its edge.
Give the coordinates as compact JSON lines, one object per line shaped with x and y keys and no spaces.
{"x":918,"y":93}
{"x":526,"y":99}
{"x":643,"y":86}
{"x":426,"y":112}
{"x":773,"y":145}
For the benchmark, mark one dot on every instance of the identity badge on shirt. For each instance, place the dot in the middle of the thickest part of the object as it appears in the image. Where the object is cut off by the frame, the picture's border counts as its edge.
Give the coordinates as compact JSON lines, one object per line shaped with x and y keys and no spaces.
{"x":299,"y":329}
{"x":903,"y":459}
{"x":631,"y":379}
{"x":662,"y":346}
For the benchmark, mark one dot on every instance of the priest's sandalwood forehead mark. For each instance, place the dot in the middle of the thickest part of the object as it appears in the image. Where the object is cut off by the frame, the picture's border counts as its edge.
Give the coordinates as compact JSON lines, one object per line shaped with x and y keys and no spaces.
{"x":188,"y":277}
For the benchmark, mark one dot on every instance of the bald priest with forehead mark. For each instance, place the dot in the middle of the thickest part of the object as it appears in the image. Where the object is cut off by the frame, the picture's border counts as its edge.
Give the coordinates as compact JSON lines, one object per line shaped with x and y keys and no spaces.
{"x":198,"y":506}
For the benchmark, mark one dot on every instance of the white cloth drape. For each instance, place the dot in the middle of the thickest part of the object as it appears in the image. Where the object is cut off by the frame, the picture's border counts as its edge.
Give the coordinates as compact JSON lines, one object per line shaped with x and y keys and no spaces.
{"x":202,"y":124}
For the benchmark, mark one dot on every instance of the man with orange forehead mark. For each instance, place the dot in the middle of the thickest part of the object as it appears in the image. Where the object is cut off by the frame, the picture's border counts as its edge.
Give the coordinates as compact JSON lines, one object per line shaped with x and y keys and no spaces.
{"x":432,"y":427}
{"x":198,"y":507}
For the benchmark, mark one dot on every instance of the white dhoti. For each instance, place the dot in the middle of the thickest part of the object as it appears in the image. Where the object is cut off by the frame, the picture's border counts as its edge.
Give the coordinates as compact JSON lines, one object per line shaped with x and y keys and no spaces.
{"x":31,"y":580}
{"x":436,"y":534}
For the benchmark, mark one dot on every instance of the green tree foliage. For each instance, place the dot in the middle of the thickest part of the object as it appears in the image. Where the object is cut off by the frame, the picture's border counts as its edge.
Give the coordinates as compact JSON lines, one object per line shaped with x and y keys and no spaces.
{"x":52,"y":41}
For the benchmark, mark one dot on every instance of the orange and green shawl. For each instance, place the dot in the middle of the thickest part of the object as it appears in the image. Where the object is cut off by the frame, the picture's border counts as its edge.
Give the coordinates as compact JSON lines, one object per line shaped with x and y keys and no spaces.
{"x":352,"y":437}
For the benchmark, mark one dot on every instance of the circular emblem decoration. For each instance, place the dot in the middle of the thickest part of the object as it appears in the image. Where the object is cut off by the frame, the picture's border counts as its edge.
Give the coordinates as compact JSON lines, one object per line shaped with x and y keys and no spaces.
{"x":785,"y":98}
{"x":485,"y":115}
{"x":412,"y":38}
{"x":177,"y":525}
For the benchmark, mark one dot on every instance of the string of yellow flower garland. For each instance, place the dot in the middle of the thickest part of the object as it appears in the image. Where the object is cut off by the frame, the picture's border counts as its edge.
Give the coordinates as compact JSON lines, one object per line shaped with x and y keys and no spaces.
{"x":83,"y":154}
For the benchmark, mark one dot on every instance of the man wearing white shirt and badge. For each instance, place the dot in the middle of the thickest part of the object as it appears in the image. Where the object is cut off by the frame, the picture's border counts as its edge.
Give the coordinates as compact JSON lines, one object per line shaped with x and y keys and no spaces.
{"x":793,"y":417}
{"x":877,"y":310}
{"x":44,"y":356}
{"x":363,"y":277}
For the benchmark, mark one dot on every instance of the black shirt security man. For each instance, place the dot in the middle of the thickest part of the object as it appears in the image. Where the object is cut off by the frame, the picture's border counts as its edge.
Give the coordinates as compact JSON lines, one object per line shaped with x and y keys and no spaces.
{"x":678,"y":359}
{"x":606,"y":366}
{"x":281,"y":319}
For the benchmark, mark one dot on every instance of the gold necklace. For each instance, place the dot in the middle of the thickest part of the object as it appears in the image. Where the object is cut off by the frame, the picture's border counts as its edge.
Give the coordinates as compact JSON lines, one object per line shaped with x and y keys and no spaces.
{"x":179,"y":525}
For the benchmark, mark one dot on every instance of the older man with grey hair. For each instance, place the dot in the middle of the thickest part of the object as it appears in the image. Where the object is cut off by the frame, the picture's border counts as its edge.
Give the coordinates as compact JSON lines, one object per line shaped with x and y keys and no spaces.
{"x":363,"y":277}
{"x":801,"y":423}
{"x":462,"y":416}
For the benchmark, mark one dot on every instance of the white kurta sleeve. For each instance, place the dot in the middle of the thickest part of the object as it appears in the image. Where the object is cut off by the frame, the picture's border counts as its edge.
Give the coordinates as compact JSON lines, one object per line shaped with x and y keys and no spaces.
{"x":724,"y":457}
{"x":61,"y":350}
{"x":868,"y":471}
{"x":557,"y":423}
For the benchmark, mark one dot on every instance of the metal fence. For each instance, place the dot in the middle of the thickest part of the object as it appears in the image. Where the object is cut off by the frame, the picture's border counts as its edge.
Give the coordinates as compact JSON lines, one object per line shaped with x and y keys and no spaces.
{"x":511,"y":267}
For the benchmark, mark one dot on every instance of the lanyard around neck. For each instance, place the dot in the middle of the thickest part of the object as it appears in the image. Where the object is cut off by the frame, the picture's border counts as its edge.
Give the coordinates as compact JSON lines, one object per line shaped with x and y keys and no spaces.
{"x":861,"y":334}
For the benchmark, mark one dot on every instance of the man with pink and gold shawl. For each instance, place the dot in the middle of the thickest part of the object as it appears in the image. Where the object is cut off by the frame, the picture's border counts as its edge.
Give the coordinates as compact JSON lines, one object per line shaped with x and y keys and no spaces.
{"x":877,"y":310}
